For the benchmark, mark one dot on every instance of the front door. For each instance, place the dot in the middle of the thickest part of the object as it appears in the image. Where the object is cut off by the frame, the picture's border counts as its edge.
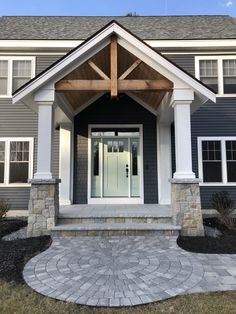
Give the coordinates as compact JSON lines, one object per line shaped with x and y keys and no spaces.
{"x":116,"y":167}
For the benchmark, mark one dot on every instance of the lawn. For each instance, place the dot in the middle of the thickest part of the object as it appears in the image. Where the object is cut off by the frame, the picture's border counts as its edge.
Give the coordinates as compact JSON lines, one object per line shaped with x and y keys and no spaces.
{"x":17,"y":297}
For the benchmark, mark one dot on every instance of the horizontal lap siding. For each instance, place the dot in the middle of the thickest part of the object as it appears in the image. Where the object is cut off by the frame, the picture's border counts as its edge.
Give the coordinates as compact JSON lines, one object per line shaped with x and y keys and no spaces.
{"x":123,"y":111}
{"x":213,"y":120}
{"x":19,"y":121}
{"x":186,"y":62}
{"x":210,"y":120}
{"x":43,"y":62}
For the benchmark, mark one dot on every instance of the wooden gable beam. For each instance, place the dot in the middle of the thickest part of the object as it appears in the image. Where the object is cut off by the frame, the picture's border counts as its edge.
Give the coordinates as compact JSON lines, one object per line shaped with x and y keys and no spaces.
{"x":130,"y":69}
{"x":98,"y":70}
{"x":113,"y":60}
{"x":105,"y":85}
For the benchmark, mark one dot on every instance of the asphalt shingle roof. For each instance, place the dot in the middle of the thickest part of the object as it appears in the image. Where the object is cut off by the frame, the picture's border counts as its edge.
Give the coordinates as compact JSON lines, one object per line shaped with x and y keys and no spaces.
{"x":145,"y":27}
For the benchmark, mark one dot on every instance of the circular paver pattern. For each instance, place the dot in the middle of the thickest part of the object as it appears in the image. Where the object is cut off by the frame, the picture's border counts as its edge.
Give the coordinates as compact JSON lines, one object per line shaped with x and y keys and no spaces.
{"x":113,"y":271}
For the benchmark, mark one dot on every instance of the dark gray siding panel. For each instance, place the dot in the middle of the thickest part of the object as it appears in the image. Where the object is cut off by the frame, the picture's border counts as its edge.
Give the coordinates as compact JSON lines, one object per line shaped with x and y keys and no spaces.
{"x":43,"y":62}
{"x":18,"y":198}
{"x":213,"y":120}
{"x":186,"y":62}
{"x":206,"y":194}
{"x":107,"y":111}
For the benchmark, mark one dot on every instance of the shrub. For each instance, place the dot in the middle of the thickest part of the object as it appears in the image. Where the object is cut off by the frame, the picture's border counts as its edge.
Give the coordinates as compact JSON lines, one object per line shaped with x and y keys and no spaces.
{"x":222,"y":202}
{"x":4,"y":208}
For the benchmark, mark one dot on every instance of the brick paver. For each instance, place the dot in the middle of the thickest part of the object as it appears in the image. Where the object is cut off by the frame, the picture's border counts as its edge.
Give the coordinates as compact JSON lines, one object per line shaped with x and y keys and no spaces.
{"x":126,"y":271}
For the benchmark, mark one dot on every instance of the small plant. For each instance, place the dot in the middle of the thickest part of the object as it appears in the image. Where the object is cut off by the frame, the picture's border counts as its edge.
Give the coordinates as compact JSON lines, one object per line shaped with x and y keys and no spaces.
{"x":222,"y":202}
{"x":4,"y":208}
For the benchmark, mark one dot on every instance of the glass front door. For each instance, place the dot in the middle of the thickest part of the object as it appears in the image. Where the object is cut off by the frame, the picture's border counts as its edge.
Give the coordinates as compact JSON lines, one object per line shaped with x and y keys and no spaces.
{"x":115,"y":163}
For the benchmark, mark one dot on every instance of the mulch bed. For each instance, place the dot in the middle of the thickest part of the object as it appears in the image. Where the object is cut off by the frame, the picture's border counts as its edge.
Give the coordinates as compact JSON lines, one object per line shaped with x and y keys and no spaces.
{"x":225,"y":244}
{"x":15,"y":254}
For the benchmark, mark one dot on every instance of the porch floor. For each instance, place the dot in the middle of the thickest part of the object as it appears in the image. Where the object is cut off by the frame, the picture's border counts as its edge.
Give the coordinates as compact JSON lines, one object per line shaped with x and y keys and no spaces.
{"x":126,"y":210}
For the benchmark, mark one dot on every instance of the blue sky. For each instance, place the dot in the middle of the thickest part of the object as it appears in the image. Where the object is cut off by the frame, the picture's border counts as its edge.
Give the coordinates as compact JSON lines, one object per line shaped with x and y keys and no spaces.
{"x":117,"y":7}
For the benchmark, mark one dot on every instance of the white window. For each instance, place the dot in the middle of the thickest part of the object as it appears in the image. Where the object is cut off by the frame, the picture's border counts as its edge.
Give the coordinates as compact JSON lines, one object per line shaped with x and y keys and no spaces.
{"x":217,"y":72}
{"x":217,"y":160}
{"x":16,"y":161}
{"x":15,"y":72}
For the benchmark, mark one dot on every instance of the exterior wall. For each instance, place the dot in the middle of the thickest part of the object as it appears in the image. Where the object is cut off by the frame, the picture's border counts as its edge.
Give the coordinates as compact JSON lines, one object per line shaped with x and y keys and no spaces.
{"x":19,"y":121}
{"x":107,"y":111}
{"x":213,"y":120}
{"x":43,"y":62}
{"x":186,"y":62}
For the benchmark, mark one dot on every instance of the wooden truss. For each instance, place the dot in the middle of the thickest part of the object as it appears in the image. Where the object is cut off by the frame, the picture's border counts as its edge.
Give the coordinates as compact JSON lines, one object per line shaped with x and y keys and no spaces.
{"x":114,"y":84}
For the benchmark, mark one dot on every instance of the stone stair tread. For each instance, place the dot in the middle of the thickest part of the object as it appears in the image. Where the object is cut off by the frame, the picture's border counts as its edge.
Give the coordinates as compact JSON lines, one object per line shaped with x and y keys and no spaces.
{"x":116,"y":226}
{"x":115,"y":215}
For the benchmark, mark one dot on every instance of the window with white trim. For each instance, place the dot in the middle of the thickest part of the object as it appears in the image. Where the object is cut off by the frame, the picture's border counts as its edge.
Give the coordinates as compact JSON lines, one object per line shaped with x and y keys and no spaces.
{"x":217,"y":160}
{"x":15,"y":72}
{"x":217,"y":72}
{"x":16,"y":161}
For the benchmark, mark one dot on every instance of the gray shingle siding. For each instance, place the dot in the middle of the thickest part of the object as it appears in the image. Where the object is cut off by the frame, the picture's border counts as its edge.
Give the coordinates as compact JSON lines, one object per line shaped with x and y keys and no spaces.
{"x":124,"y":111}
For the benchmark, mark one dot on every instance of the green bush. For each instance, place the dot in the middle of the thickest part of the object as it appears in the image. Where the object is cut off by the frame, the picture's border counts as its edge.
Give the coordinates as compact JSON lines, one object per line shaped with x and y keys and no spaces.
{"x":222,"y":202}
{"x":4,"y":208}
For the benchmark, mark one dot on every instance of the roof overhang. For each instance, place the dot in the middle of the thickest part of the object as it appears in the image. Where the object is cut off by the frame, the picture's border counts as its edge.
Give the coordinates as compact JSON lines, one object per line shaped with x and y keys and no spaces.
{"x":76,"y":57}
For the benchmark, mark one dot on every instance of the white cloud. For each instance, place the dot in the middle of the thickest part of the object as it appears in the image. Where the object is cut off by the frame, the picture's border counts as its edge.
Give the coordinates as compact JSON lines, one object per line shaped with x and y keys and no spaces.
{"x":227,"y":4}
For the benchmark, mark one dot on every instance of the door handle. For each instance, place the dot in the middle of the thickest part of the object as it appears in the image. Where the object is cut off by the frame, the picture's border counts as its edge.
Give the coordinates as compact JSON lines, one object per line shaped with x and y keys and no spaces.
{"x":127,"y":171}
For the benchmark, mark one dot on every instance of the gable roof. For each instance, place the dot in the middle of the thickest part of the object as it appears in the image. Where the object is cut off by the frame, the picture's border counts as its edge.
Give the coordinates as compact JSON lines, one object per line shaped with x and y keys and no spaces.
{"x":104,"y":36}
{"x":145,"y":27}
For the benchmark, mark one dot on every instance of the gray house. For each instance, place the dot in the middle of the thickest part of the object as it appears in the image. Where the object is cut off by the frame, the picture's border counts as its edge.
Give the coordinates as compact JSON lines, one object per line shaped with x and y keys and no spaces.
{"x":117,"y":125}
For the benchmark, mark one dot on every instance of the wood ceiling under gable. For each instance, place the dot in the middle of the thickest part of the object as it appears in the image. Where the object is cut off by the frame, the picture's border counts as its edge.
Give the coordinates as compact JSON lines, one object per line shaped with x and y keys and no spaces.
{"x":114,"y":70}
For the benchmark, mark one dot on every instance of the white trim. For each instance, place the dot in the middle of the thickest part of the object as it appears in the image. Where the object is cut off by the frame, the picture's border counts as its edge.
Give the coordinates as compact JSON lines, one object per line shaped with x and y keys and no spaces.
{"x":222,"y":139}
{"x":65,"y":163}
{"x":114,"y":200}
{"x":192,"y":43}
{"x":156,"y":43}
{"x":10,"y":60}
{"x":7,"y":141}
{"x":164,"y":164}
{"x":219,"y":59}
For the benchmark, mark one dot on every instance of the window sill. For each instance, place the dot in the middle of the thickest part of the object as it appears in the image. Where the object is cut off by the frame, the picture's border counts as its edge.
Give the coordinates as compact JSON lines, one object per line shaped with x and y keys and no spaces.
{"x":217,"y":184}
{"x":15,"y":185}
{"x":225,"y":95}
{"x":5,"y":97}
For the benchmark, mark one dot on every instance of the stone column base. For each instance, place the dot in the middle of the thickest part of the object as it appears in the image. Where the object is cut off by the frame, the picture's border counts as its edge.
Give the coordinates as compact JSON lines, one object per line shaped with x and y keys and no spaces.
{"x":43,"y":206}
{"x":186,"y":206}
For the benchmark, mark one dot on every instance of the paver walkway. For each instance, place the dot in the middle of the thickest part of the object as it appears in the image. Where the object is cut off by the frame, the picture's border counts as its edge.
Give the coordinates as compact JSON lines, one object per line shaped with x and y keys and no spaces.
{"x":125,"y":271}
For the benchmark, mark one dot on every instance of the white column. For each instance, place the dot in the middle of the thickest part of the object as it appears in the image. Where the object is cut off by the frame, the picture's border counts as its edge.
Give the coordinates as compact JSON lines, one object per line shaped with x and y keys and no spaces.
{"x":183,"y":146}
{"x":45,"y":134}
{"x":65,"y":164}
{"x":164,"y":163}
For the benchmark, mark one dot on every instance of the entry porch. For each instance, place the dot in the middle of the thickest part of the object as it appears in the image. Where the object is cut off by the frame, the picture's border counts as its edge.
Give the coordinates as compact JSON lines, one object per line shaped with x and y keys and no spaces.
{"x":110,"y":64}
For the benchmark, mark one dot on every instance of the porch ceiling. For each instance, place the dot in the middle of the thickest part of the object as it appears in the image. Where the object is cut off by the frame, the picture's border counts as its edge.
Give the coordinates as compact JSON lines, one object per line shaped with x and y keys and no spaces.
{"x":115,"y":66}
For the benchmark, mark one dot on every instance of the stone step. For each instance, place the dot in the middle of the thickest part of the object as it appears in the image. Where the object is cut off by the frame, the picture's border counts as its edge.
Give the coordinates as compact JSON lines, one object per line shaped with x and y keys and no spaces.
{"x":115,"y":229}
{"x":114,"y":220}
